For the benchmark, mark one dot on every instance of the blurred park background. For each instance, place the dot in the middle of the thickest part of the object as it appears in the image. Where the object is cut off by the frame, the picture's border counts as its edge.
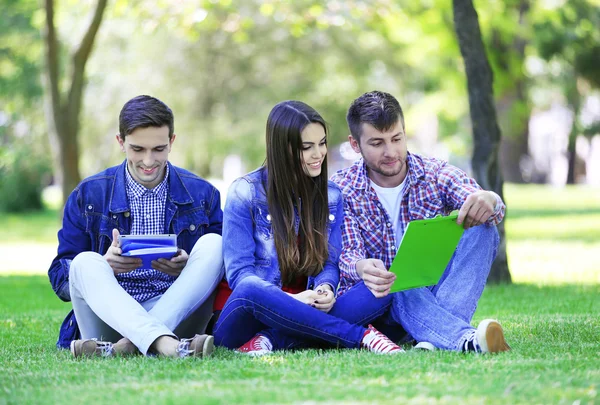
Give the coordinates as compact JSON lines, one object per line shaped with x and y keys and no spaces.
{"x":67,"y":67}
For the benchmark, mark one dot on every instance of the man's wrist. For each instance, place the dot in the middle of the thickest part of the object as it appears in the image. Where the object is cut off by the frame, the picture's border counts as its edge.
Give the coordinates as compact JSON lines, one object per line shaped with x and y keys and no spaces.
{"x":359,"y":267}
{"x":496,"y":201}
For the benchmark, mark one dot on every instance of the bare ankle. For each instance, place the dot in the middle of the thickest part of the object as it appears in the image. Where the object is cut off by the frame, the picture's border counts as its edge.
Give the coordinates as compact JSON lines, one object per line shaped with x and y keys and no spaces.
{"x":165,"y":346}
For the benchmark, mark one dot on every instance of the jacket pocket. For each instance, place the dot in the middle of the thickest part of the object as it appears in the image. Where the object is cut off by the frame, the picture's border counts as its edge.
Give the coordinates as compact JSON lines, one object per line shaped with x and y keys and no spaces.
{"x":331,"y":218}
{"x":99,"y":228}
{"x":192,"y":222}
{"x":263,"y":222}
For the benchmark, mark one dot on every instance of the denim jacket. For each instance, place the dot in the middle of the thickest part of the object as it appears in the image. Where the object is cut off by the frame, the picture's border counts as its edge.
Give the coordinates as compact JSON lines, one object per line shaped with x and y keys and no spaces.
{"x":248,"y":244}
{"x":99,"y":204}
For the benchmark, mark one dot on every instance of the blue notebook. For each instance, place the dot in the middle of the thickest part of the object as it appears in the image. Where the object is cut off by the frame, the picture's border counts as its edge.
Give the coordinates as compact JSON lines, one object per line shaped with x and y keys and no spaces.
{"x":148,"y":247}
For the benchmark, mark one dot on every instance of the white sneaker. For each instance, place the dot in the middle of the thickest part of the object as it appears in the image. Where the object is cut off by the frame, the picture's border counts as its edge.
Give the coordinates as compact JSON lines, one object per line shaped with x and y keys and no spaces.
{"x":424,"y":346}
{"x":487,"y":338}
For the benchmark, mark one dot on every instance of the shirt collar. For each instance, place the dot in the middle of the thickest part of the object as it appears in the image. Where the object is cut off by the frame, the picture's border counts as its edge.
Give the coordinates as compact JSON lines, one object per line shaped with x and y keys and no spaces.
{"x":136,"y":190}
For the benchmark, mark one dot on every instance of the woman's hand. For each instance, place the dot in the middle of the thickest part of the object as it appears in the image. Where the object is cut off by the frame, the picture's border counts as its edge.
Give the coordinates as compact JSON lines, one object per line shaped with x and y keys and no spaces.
{"x":308,"y":297}
{"x":321,"y":298}
{"x":326,"y":298}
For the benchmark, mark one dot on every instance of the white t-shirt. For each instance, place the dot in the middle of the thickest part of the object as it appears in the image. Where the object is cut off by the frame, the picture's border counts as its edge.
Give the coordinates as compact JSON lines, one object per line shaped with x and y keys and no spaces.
{"x":391,"y":198}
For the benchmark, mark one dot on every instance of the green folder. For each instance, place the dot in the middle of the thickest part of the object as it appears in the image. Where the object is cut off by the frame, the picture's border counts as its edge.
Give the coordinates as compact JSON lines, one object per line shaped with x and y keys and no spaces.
{"x":425,"y":251}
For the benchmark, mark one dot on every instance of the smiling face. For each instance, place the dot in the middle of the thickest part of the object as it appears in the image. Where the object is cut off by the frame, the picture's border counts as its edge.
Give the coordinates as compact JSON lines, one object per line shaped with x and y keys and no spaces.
{"x":147,"y":151}
{"x":314,"y":149}
{"x":384,"y":153}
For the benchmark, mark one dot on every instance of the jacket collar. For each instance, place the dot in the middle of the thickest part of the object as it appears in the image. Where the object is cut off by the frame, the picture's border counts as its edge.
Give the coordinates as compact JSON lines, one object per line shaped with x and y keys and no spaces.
{"x":177,"y":192}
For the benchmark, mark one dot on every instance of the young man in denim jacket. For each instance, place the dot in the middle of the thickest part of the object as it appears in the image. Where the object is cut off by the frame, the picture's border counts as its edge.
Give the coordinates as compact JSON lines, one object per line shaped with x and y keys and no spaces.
{"x":385,"y":190}
{"x":114,"y":298}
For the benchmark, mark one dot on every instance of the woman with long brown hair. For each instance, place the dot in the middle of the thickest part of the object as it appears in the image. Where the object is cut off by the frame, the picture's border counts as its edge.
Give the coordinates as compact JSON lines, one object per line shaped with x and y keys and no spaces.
{"x":281,"y":242}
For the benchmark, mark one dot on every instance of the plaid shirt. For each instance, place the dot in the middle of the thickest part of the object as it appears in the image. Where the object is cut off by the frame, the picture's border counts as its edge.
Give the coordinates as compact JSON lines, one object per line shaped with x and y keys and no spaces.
{"x":147,"y":218}
{"x":433,"y":187}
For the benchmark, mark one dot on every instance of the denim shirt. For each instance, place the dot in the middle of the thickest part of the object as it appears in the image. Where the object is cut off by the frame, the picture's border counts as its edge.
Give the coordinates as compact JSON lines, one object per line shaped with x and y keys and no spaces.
{"x":248,"y":244}
{"x":99,"y":204}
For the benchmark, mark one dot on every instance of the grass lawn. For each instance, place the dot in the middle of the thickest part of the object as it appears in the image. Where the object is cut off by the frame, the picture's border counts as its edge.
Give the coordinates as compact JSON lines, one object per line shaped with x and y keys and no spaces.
{"x":551,"y":318}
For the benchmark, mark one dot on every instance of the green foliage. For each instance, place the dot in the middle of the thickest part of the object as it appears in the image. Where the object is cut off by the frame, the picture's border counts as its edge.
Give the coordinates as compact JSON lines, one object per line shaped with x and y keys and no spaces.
{"x":20,"y":55}
{"x":24,"y":172}
{"x":570,"y":33}
{"x":553,"y":332}
{"x":222,"y":65}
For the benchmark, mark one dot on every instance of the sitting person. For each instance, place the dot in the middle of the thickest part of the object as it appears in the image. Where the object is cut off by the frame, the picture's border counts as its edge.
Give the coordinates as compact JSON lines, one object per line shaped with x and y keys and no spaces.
{"x":281,"y":243}
{"x":383,"y":191}
{"x":115,"y":300}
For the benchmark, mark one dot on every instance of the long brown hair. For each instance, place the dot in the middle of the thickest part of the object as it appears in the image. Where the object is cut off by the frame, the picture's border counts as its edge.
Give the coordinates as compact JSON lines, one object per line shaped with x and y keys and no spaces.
{"x":289,"y":188}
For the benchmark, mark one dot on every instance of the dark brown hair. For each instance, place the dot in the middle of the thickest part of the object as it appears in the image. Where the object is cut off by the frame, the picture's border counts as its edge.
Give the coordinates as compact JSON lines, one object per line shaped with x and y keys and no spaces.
{"x":377,"y":108}
{"x":144,"y":112}
{"x":290,"y":189}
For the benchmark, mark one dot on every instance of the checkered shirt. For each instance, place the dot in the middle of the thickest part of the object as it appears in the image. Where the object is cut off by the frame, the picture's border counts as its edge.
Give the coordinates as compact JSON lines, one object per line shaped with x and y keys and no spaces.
{"x":147,"y":218}
{"x":433,"y":187}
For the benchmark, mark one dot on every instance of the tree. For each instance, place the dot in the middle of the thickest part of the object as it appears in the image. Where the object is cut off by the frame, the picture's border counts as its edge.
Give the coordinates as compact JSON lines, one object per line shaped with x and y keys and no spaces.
{"x":569,"y":36}
{"x":509,"y":31}
{"x":486,"y":132}
{"x":65,"y":106}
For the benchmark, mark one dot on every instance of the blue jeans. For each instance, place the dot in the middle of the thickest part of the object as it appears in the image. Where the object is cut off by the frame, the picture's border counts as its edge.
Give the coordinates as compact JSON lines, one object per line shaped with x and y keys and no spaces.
{"x":442,"y":314}
{"x":259,"y":306}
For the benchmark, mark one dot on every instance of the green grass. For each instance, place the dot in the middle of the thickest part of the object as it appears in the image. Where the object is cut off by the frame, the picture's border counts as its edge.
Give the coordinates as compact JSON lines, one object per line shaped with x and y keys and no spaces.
{"x":554,"y":333}
{"x":553,"y":234}
{"x":551,"y":318}
{"x":36,"y":227}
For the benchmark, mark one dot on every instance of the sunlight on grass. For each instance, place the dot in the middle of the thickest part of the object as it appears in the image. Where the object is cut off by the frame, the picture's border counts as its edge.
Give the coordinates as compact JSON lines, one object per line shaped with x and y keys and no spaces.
{"x":553,"y":235}
{"x":552,"y":262}
{"x":542,"y":197}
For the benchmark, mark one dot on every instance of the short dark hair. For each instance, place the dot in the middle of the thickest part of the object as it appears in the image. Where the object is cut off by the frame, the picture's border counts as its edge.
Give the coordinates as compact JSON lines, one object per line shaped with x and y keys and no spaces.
{"x":143,"y":112}
{"x":376,"y":108}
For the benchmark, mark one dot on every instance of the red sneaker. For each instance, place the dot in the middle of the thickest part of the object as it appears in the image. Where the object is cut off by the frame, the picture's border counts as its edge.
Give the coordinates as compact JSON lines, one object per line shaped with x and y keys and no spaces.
{"x":377,"y":342}
{"x":259,"y":345}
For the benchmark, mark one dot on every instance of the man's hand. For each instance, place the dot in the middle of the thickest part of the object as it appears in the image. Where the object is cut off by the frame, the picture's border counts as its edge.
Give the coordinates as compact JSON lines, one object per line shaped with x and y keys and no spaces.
{"x":120,"y":264}
{"x":376,"y":277}
{"x":326,"y":298}
{"x":477,"y":209}
{"x":173,"y":266}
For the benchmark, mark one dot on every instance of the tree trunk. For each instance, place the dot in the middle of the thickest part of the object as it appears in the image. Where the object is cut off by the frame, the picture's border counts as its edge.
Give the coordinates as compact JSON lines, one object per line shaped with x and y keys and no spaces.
{"x":512,"y":106}
{"x":486,"y":133}
{"x":575,"y":103}
{"x":64,"y":109}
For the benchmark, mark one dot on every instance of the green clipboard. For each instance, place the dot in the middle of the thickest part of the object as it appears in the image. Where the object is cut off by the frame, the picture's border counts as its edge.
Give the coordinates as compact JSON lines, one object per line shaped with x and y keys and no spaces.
{"x":425,"y":251}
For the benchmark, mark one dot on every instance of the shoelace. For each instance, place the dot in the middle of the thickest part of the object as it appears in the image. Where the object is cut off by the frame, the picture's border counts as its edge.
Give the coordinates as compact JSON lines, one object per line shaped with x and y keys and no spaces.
{"x":474,"y":344}
{"x":105,"y":348}
{"x":379,"y":342}
{"x":183,"y":348}
{"x":262,"y":343}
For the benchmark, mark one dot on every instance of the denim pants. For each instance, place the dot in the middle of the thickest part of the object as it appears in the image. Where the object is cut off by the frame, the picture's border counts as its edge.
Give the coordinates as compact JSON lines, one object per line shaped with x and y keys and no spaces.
{"x":259,"y":306}
{"x":442,"y":314}
{"x":105,"y":311}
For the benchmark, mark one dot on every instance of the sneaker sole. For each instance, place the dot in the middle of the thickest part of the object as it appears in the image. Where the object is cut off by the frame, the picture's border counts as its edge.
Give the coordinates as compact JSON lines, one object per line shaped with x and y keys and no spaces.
{"x":73,"y":351}
{"x":491,"y":337}
{"x":209,"y":346}
{"x":254,"y":353}
{"x":424,"y":346}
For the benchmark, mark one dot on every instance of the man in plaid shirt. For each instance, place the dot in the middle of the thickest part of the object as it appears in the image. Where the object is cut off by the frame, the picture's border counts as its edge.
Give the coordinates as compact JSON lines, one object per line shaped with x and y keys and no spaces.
{"x":385,"y":190}
{"x":115,"y":298}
